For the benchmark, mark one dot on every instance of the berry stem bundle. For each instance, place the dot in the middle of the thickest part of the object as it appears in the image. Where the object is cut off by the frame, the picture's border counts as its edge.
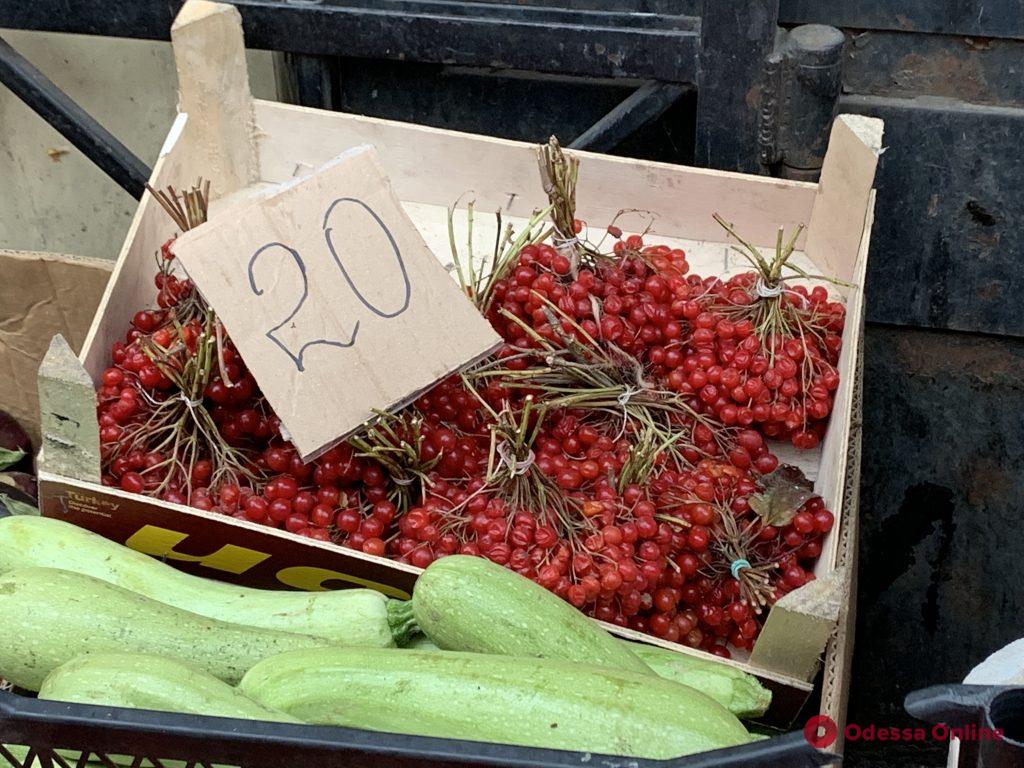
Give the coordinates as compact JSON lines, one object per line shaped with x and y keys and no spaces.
{"x":559,"y":172}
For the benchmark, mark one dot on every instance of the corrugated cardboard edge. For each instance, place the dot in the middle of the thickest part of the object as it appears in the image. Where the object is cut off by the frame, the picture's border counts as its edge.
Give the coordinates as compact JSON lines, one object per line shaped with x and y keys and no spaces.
{"x":835,"y":683}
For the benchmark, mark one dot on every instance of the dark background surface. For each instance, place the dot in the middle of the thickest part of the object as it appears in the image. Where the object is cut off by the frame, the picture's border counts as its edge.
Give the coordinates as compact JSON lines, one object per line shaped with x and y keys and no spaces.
{"x":942,"y":547}
{"x":942,"y":551}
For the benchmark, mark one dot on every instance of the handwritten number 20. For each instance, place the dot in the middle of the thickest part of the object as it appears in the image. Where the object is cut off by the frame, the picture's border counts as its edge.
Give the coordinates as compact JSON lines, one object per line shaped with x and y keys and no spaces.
{"x":297,"y":356}
{"x":348,"y":278}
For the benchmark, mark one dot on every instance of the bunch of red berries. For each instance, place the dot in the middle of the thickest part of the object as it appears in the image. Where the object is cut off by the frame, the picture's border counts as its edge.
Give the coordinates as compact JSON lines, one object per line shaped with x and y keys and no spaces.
{"x":614,"y":450}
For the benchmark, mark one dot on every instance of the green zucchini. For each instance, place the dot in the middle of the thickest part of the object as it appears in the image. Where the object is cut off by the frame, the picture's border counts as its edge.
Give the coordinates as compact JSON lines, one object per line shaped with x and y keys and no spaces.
{"x":49,"y":617}
{"x":145,"y":681}
{"x":348,"y":616}
{"x":734,"y":689}
{"x":524,"y":701}
{"x":465,"y":603}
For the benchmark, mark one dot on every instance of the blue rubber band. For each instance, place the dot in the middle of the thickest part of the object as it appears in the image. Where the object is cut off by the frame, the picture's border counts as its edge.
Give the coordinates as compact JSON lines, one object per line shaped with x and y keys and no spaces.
{"x":737,"y":566}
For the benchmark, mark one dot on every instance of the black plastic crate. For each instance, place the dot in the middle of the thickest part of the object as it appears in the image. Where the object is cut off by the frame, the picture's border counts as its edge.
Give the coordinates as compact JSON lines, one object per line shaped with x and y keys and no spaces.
{"x":977,"y":707}
{"x":202,"y":742}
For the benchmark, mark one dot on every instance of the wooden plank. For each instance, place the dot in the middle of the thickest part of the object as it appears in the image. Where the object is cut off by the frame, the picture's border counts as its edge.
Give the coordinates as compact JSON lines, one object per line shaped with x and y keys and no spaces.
{"x":800,"y":624}
{"x":67,"y":407}
{"x":131,"y":284}
{"x":837,"y":224}
{"x":441,"y":167}
{"x":213,"y":86}
{"x":832,"y":475}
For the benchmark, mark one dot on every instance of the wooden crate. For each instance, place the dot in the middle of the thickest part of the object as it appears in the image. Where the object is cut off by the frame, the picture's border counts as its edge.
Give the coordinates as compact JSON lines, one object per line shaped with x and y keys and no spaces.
{"x":245,"y":144}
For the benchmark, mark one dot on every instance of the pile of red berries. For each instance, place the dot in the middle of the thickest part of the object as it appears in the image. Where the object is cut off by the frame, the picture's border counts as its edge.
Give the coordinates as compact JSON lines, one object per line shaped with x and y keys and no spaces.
{"x":784,"y":384}
{"x":148,"y":421}
{"x":655,"y":535}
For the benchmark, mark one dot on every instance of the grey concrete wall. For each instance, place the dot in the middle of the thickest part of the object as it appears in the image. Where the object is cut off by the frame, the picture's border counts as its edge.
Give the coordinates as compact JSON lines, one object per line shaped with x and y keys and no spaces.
{"x":51,"y":197}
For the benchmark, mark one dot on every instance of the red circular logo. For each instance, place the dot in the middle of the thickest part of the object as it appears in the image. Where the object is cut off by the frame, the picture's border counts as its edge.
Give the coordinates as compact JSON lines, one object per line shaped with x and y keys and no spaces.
{"x":821,"y":731}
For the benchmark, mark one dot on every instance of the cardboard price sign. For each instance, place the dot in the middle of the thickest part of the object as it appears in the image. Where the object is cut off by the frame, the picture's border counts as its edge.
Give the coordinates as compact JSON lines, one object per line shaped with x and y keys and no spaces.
{"x":333,"y":299}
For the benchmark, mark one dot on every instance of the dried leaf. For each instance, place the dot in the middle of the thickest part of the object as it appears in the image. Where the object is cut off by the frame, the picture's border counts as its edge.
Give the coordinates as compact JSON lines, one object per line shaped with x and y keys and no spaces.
{"x":785,"y":491}
{"x":16,"y":507}
{"x":9,"y":458}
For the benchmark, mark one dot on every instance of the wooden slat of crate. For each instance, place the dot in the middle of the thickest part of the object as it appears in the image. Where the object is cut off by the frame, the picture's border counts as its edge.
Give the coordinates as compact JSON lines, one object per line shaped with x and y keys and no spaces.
{"x":440,"y":167}
{"x":800,"y":625}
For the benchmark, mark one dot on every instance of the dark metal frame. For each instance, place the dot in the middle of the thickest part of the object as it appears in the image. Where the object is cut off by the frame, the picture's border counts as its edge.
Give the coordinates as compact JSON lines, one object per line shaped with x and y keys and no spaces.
{"x":736,"y":38}
{"x":645,"y":105}
{"x":499,"y":34}
{"x":669,"y":53}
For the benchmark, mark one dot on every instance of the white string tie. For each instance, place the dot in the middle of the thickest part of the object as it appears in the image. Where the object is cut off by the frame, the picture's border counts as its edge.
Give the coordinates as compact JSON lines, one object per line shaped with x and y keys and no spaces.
{"x":627,"y":394}
{"x":563,"y":243}
{"x":190,"y":403}
{"x":509,"y":460}
{"x":623,"y":400}
{"x":766,"y":291}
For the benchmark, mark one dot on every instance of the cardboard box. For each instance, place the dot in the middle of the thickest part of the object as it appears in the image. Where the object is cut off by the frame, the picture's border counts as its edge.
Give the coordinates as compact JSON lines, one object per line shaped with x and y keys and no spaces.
{"x":41,"y":294}
{"x":430,"y":169}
